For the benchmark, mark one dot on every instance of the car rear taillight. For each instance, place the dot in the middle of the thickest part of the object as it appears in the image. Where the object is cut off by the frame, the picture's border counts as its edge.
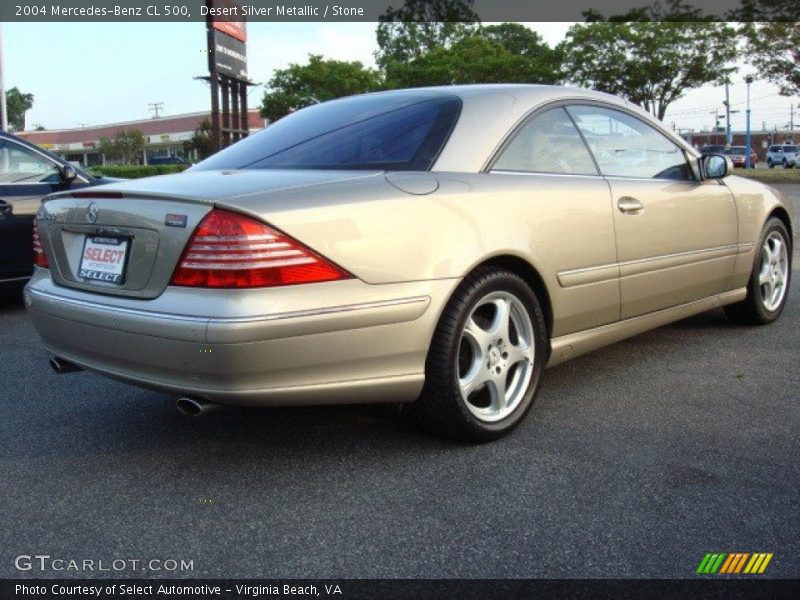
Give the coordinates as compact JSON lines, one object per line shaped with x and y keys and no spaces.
{"x":230,"y":250}
{"x":39,"y":257}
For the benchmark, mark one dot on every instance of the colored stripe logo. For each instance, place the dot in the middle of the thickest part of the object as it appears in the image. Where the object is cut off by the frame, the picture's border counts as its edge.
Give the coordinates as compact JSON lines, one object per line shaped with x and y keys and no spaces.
{"x":734,"y":563}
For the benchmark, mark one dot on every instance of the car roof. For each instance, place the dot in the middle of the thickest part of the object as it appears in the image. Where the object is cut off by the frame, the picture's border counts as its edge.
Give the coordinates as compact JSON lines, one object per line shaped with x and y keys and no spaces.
{"x":490,"y":111}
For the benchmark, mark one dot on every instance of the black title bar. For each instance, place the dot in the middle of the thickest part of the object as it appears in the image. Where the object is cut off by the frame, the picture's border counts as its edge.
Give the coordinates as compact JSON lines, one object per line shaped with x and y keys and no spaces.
{"x":371,"y":10}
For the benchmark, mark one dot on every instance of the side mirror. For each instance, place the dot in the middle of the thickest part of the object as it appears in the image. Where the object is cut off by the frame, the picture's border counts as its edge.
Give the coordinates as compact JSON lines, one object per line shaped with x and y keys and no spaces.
{"x":716,"y":166}
{"x":68,"y":173}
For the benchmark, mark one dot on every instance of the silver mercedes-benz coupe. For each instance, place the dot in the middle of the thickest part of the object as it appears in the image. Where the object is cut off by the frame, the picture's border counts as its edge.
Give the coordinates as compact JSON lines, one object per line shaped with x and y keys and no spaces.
{"x":437,"y":247}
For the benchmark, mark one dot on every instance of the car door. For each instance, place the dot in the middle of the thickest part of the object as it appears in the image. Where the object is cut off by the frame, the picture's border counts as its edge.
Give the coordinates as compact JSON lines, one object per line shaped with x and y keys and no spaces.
{"x":676,"y":235}
{"x":26,"y":176}
{"x":567,"y":210}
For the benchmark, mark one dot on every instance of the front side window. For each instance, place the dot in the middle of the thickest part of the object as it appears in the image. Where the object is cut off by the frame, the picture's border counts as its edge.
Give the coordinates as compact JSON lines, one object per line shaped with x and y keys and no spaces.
{"x":624,"y":146}
{"x":402,"y":132}
{"x":21,"y":165}
{"x":548,"y":143}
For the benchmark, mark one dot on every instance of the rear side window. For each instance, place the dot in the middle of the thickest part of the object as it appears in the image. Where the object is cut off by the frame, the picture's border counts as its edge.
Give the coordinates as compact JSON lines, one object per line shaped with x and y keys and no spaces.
{"x":548,"y":143}
{"x":624,"y":146}
{"x":383,"y":131}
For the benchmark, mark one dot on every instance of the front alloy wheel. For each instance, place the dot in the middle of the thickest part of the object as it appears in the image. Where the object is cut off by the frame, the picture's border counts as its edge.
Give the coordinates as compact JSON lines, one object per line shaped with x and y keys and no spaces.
{"x":773,"y":275}
{"x":769,"y":280}
{"x":486,"y":358}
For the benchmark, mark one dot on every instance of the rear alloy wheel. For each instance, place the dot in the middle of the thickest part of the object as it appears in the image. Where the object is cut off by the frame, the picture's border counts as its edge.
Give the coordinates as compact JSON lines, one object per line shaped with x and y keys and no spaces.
{"x":485,"y":360}
{"x":770,"y":278}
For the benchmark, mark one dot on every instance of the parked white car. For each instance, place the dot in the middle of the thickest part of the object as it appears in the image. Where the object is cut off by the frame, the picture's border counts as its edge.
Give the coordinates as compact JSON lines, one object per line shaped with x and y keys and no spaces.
{"x":786,"y":155}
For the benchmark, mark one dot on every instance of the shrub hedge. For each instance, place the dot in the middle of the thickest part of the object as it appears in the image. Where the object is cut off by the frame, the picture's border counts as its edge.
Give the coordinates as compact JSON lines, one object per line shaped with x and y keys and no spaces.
{"x":136,"y":171}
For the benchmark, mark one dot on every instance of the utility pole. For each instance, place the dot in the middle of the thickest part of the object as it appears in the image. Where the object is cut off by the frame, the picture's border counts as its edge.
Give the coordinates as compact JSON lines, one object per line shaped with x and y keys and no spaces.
{"x":791,"y":117}
{"x":748,"y":80}
{"x":154,"y":107}
{"x":728,"y":132}
{"x":3,"y":114}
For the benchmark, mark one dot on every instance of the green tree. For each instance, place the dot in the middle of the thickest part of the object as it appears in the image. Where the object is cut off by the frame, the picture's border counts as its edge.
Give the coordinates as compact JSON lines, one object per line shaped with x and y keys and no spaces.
{"x":651,"y":63}
{"x":420,"y":26}
{"x":124,"y":147}
{"x":17,"y":104}
{"x":475,"y":59}
{"x":200,"y":141}
{"x":773,"y":41}
{"x":320,"y":80}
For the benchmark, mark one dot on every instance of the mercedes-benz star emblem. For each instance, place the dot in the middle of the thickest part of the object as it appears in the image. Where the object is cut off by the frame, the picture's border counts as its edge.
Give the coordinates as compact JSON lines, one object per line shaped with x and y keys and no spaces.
{"x":91,"y":212}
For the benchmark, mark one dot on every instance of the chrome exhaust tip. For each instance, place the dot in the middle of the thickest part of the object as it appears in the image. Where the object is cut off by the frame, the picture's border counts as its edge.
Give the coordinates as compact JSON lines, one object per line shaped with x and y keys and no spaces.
{"x":194,"y":407}
{"x":61,"y":366}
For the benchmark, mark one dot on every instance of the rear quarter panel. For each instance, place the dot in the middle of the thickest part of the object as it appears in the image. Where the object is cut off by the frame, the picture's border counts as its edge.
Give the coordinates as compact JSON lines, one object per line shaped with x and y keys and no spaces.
{"x":383,"y":235}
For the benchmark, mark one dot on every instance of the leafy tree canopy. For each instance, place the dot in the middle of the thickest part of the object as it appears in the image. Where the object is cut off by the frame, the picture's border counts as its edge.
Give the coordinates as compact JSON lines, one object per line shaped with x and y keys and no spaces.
{"x":319,"y":80}
{"x":651,"y":63}
{"x":773,"y":40}
{"x":420,"y":26}
{"x":17,"y":104}
{"x":475,"y":59}
{"x":124,"y":146}
{"x":201,"y":140}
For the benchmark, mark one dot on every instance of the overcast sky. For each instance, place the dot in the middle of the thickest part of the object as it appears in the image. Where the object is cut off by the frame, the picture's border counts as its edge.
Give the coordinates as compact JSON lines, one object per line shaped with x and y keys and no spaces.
{"x":103,"y":73}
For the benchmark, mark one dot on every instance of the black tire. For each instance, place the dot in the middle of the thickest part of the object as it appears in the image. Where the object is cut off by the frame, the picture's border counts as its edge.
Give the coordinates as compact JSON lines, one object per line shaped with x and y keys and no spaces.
{"x":440,"y":408}
{"x":770,"y":165}
{"x":751,"y":310}
{"x":785,"y":164}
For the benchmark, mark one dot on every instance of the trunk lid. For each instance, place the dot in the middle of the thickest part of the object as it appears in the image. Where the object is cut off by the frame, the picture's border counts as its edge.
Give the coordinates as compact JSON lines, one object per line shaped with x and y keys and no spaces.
{"x":152,"y":219}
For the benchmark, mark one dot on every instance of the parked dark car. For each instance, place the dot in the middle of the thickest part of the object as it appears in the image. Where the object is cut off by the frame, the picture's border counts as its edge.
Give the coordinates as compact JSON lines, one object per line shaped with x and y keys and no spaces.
{"x":713,"y":149}
{"x":167,"y":160}
{"x":27,"y":174}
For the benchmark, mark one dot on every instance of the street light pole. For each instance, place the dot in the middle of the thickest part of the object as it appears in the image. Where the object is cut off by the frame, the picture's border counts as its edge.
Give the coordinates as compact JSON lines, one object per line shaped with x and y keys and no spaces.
{"x":3,"y":113}
{"x":728,"y":132}
{"x":748,"y":80}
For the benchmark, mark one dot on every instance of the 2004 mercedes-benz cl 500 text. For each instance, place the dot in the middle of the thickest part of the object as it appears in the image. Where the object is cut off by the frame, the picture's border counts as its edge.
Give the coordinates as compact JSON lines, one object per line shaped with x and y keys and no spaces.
{"x":437,"y":246}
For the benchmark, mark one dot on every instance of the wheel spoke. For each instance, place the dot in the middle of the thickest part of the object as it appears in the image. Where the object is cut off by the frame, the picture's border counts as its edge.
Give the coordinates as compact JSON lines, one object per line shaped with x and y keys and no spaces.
{"x":518,"y":353}
{"x":480,"y":336}
{"x":474,"y":380}
{"x":500,"y":322}
{"x":770,"y":291}
{"x":498,"y":388}
{"x":764,"y":276}
{"x":777,"y":250}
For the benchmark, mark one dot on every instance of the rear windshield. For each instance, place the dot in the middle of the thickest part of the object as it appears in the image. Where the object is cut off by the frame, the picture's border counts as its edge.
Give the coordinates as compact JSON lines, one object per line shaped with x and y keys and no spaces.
{"x":404,"y":132}
{"x":735,"y":150}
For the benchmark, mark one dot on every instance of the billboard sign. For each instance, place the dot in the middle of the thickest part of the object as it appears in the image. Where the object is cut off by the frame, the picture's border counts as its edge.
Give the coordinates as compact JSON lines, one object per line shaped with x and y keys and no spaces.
{"x":228,"y":56}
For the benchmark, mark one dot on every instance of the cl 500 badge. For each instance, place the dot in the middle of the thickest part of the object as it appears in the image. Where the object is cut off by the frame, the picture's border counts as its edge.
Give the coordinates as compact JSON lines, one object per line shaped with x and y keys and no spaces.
{"x":175,"y":221}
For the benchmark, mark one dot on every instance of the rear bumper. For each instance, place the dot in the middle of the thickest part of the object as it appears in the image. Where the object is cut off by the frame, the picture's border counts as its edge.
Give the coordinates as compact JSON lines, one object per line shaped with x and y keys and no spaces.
{"x":337,"y":342}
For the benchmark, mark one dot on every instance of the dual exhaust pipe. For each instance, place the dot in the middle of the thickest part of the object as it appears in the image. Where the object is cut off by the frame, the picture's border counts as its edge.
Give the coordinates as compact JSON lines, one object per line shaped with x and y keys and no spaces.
{"x":61,"y":366}
{"x":194,"y":407}
{"x":190,"y":407}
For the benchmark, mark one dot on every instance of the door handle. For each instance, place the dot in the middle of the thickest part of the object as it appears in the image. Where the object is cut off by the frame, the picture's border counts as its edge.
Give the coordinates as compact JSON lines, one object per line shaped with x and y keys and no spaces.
{"x":630,"y":206}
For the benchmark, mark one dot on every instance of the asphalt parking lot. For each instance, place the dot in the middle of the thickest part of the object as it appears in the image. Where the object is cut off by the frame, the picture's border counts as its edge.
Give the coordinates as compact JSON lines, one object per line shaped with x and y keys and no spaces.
{"x":636,"y":461}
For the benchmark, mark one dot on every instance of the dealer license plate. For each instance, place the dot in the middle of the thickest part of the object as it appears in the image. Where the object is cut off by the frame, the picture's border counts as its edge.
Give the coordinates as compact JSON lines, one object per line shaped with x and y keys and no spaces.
{"x":103,"y":259}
